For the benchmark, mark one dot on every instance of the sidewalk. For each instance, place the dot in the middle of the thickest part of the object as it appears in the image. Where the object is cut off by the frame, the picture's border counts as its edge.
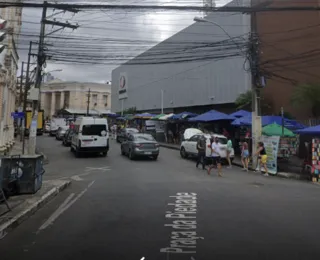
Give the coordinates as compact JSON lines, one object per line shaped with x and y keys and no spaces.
{"x":237,"y":162}
{"x":17,"y":150}
{"x":24,"y":206}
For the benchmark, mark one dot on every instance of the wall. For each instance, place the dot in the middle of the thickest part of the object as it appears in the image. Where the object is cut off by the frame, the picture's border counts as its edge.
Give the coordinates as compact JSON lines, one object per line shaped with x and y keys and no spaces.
{"x":290,"y":53}
{"x":209,"y":79}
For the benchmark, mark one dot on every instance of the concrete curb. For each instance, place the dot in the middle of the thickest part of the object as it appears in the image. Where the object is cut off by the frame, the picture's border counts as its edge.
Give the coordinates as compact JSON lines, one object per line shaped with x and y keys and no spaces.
{"x":285,"y":175}
{"x":24,"y":215}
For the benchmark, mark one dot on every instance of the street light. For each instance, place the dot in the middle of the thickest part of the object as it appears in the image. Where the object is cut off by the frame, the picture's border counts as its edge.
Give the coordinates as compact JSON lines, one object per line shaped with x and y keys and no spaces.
{"x":256,"y":120}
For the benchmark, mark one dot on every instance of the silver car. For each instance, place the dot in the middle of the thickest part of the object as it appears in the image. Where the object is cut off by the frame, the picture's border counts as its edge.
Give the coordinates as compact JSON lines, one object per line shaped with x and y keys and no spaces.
{"x":61,"y":132}
{"x":140,"y":145}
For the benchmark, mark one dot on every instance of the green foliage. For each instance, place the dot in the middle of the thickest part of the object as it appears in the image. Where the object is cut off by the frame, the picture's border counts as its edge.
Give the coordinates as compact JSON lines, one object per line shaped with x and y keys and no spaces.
{"x":307,"y":95}
{"x":244,"y":100}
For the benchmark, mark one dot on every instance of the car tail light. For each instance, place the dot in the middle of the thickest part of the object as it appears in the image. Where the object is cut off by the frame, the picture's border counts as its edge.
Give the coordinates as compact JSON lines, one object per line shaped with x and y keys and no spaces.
{"x":138,"y":145}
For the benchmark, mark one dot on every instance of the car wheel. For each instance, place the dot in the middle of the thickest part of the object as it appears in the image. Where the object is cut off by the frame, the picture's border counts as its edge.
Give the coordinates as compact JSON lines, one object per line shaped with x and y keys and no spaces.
{"x":155,"y":157}
{"x":104,"y":154}
{"x":122,"y":151}
{"x":77,"y":153}
{"x":131,"y":156}
{"x":118,"y":141}
{"x":183,"y":153}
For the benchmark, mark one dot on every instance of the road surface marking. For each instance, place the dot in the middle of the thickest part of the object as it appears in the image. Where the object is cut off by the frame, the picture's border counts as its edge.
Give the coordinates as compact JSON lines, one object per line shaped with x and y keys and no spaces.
{"x":76,"y":178}
{"x":192,"y":258}
{"x":107,"y":168}
{"x":63,"y":207}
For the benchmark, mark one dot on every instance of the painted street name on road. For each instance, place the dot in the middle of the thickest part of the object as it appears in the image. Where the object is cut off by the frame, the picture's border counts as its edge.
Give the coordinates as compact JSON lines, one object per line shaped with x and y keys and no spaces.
{"x":184,"y":224}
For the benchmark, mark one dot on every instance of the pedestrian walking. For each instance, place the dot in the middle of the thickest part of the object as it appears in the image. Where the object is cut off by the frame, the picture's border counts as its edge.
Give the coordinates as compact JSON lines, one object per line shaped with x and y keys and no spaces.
{"x":262,"y":158}
{"x":215,"y":155}
{"x":201,"y":147}
{"x":245,"y":156}
{"x":229,"y":151}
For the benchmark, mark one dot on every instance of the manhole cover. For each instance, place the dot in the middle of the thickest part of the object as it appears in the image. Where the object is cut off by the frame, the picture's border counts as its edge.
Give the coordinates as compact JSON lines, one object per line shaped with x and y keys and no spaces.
{"x":257,"y":184}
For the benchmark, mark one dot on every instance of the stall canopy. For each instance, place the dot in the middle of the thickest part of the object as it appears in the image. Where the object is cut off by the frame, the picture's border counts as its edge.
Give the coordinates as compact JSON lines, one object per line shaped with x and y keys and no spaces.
{"x":165,"y":117}
{"x":144,"y":116}
{"x":183,"y":115}
{"x":212,"y":115}
{"x":313,"y":130}
{"x":276,"y":130}
{"x":157,"y":117}
{"x":241,"y":113}
{"x":267,"y":120}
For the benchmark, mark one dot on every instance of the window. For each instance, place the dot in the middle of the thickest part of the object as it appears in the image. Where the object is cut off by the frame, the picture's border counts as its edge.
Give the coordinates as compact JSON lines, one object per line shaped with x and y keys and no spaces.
{"x":105,"y":100}
{"x":194,"y":138}
{"x":223,"y":140}
{"x":95,"y":98}
{"x":143,"y":138}
{"x":93,"y":129}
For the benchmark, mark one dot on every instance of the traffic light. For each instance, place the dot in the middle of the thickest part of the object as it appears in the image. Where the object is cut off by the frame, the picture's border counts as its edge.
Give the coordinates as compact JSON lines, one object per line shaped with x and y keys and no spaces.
{"x":3,"y":24}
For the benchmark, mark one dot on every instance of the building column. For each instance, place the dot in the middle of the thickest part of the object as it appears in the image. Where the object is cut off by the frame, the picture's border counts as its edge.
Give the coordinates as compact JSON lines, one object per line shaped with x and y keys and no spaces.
{"x":61,"y":100}
{"x":53,"y":104}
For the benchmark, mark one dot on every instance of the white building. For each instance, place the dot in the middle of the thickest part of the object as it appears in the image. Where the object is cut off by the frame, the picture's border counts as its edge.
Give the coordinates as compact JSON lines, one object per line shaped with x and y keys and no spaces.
{"x":73,"y":96}
{"x":8,"y":70}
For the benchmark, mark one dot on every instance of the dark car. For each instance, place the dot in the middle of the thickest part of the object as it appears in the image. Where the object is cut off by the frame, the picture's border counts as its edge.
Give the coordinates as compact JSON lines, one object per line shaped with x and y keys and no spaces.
{"x":140,"y":145}
{"x":66,"y":140}
{"x":123,"y":134}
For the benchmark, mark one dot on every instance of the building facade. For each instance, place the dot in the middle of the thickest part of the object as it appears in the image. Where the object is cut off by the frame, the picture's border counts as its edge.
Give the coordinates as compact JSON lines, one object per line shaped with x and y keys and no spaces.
{"x":289,"y":53}
{"x":199,"y":68}
{"x":8,"y":70}
{"x":57,"y":95}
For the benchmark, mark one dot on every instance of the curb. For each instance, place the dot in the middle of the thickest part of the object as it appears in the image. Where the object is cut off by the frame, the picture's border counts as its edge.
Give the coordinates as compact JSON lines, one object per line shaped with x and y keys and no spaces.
{"x":24,"y":215}
{"x":284,"y":175}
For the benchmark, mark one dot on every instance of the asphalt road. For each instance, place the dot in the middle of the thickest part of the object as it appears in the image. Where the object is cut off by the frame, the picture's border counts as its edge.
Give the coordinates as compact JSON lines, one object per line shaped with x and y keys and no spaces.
{"x":120,"y":209}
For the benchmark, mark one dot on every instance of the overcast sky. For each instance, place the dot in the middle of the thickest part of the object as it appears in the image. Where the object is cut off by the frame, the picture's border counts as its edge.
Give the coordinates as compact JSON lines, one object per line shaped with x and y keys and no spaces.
{"x":115,"y":33}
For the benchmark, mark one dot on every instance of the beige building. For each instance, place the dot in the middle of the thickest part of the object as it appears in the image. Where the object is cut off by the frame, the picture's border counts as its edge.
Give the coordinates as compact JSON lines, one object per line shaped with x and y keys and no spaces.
{"x":8,"y":70}
{"x":73,"y":96}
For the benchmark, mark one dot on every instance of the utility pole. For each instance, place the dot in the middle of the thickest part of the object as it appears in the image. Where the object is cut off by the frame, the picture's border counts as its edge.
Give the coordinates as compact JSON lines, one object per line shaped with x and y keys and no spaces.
{"x":25,"y":97}
{"x":41,"y":59}
{"x":21,"y":83}
{"x":88,"y":102}
{"x":257,"y":82}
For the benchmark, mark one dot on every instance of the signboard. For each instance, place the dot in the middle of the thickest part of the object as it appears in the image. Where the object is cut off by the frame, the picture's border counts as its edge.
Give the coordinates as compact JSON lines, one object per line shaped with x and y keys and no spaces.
{"x":17,"y":115}
{"x":271,"y":144}
{"x":33,"y":128}
{"x":123,"y":86}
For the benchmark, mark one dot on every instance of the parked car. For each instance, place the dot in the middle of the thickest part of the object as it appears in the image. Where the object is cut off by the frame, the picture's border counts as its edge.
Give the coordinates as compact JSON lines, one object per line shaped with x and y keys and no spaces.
{"x":123,"y":134}
{"x":66,"y":140}
{"x":61,"y":131}
{"x":188,"y":147}
{"x":140,"y":145}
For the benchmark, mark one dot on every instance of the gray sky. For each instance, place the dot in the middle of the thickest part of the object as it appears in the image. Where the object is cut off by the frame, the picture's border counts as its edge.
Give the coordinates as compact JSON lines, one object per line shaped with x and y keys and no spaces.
{"x":112,"y":34}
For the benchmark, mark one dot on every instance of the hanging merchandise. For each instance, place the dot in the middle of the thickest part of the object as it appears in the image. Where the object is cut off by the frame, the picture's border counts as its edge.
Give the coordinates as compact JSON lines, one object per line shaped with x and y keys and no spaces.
{"x":288,"y":146}
{"x":315,"y":158}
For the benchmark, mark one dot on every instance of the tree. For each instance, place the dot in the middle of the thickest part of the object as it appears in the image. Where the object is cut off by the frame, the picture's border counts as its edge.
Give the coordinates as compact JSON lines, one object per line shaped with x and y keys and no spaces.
{"x":307,"y":95}
{"x":244,"y":101}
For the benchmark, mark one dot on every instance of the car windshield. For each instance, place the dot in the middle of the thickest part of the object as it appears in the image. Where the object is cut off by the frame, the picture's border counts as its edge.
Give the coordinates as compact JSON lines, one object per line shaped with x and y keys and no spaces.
{"x":142,"y":138}
{"x":93,"y":129}
{"x":222,"y":140}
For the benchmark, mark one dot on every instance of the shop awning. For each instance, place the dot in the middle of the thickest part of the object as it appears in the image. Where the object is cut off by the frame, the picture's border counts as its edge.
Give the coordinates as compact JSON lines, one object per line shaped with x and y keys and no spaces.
{"x":212,"y":115}
{"x":313,"y":130}
{"x":183,"y":115}
{"x":241,"y":113}
{"x":144,"y":116}
{"x":276,"y":130}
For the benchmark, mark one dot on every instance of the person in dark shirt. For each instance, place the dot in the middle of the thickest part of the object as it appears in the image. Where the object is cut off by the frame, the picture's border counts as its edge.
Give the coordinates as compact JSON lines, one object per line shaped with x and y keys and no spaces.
{"x":201,"y":147}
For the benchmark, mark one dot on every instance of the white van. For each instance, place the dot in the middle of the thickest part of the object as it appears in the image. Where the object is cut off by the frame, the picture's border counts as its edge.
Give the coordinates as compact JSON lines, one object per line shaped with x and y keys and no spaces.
{"x":90,"y":136}
{"x":55,"y":124}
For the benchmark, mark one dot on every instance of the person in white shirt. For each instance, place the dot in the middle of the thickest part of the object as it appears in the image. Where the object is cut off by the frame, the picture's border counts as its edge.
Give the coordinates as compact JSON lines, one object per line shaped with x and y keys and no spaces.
{"x":216,"y":158}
